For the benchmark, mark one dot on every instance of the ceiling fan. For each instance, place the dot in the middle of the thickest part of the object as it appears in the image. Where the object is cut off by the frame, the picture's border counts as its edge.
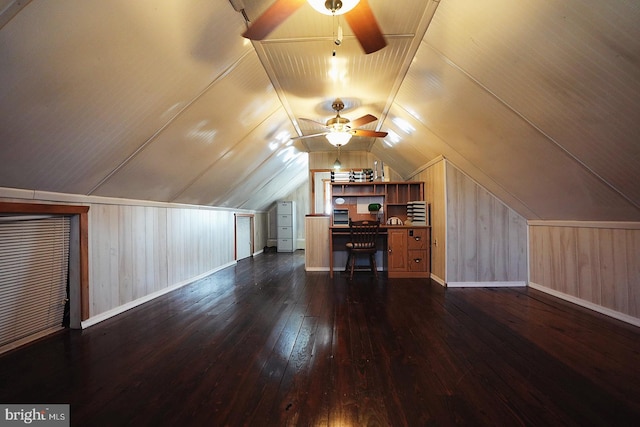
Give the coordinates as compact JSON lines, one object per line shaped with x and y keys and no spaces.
{"x":357,"y":13}
{"x":340,"y":129}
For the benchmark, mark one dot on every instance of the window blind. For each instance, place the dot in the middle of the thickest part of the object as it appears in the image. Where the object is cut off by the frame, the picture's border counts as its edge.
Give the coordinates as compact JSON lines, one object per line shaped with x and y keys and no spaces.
{"x":34,"y":265}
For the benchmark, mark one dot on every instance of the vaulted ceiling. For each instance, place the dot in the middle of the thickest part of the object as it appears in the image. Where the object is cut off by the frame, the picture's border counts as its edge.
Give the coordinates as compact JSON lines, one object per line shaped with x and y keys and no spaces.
{"x":164,"y":100}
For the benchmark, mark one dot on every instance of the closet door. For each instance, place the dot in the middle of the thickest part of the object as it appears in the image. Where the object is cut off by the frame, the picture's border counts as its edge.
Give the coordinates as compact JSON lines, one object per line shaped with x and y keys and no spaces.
{"x":34,"y":265}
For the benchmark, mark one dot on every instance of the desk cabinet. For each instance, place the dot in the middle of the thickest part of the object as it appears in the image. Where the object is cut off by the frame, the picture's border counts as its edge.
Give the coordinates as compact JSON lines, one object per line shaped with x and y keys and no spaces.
{"x":408,"y":252}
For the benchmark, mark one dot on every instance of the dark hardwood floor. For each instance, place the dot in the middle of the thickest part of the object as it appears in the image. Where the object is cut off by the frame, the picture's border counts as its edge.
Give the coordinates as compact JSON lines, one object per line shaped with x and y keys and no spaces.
{"x":266,"y":344}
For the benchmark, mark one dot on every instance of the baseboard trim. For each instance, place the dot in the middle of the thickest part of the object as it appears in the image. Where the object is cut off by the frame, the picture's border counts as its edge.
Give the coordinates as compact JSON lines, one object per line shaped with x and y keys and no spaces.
{"x":26,"y":340}
{"x":516,"y":284}
{"x":438,"y":280}
{"x":587,"y":304}
{"x":132,"y":304}
{"x":316,"y":269}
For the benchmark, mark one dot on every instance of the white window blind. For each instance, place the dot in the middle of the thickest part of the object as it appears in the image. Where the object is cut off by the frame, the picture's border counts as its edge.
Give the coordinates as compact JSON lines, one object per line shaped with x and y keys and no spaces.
{"x":34,"y":263}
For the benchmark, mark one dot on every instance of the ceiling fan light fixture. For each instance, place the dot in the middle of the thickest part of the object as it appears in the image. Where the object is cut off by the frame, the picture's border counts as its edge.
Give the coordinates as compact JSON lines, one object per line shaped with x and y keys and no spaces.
{"x":338,"y":138}
{"x":337,"y":164}
{"x":333,"y":7}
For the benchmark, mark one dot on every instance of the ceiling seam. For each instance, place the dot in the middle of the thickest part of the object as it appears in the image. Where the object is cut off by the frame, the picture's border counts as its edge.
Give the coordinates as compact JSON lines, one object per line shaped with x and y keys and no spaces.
{"x":268,"y":68}
{"x":173,"y":118}
{"x":535,"y":127}
{"x":208,"y":168}
{"x":424,"y":167}
{"x":11,"y":11}
{"x":410,"y":54}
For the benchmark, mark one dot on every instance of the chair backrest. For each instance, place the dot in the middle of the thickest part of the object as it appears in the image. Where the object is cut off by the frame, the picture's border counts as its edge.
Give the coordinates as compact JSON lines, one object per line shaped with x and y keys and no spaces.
{"x":363,"y":234}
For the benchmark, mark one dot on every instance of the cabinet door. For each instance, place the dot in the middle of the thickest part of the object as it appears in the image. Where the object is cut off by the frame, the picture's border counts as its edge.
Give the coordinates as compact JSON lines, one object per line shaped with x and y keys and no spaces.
{"x":397,"y":250}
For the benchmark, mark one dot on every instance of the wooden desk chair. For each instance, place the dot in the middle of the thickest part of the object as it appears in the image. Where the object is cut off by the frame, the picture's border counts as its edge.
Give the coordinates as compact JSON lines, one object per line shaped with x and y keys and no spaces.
{"x":364,"y":235}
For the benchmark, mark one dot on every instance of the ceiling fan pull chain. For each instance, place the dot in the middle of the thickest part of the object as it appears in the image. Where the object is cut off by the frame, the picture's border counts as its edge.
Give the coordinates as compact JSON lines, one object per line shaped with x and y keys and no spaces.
{"x":337,"y":40}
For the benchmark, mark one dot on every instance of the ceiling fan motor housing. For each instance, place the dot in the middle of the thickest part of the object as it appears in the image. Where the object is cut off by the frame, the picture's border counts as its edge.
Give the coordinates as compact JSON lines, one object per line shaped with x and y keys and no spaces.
{"x":338,"y":105}
{"x":333,"y":5}
{"x":338,"y":123}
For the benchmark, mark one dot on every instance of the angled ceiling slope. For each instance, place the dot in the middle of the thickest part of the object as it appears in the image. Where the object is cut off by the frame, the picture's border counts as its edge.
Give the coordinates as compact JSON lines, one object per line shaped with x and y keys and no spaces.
{"x":145,"y":101}
{"x":164,"y":100}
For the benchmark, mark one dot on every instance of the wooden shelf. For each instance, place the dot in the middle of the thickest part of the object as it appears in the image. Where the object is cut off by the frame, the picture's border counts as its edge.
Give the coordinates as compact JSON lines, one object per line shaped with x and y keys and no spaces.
{"x":395,"y":196}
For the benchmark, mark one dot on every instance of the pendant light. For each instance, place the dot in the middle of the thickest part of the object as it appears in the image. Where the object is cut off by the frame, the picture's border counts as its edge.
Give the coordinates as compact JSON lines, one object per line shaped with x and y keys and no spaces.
{"x":337,"y":165}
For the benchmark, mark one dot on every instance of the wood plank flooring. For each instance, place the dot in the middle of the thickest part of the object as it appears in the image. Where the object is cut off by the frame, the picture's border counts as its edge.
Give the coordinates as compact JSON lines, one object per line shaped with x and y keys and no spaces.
{"x":266,"y":344}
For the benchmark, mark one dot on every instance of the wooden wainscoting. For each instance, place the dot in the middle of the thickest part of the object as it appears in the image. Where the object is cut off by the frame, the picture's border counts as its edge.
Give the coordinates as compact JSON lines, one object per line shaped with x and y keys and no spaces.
{"x":593,"y":264}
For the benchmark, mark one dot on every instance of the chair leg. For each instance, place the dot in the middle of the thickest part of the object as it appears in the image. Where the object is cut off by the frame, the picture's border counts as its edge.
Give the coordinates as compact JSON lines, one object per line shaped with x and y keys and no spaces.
{"x":346,"y":266}
{"x":372,"y":258}
{"x":352,"y":266}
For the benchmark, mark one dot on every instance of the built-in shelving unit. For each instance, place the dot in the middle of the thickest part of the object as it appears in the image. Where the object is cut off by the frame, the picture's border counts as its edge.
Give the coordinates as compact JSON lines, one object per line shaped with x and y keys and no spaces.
{"x":393,"y":196}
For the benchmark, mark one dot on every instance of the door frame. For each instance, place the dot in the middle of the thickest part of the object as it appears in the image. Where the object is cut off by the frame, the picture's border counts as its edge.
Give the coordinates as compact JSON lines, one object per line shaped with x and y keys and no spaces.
{"x":78,"y":251}
{"x":235,"y":233}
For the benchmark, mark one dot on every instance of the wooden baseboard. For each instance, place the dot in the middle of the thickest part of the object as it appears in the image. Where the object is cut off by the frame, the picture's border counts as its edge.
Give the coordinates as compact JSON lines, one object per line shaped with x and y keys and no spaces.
{"x":587,"y":304}
{"x":486,"y":284}
{"x":408,"y":274}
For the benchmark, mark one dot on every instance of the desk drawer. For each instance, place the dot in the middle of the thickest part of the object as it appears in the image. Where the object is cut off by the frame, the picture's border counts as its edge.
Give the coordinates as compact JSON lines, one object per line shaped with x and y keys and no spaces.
{"x":417,"y":238}
{"x":418,"y":260}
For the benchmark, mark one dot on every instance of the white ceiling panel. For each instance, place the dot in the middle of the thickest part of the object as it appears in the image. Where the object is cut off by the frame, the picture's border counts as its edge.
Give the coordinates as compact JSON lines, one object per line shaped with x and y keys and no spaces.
{"x":480,"y":128}
{"x":273,"y":181}
{"x":267,"y":143}
{"x":164,"y":100}
{"x":311,"y":77}
{"x":213,"y":124}
{"x":408,"y":145}
{"x":395,"y":18}
{"x":85,"y":84}
{"x":568,"y":68}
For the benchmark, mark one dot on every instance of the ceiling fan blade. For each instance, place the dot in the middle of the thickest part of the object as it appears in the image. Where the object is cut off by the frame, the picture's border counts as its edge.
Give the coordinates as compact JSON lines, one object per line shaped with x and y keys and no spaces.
{"x":361,"y":121}
{"x":275,"y":15}
{"x":309,"y":136}
{"x":365,"y":27}
{"x":371,"y":133}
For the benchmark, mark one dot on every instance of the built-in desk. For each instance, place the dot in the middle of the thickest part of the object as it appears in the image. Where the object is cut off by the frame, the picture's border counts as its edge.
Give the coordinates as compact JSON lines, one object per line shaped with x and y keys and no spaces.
{"x":404,"y":249}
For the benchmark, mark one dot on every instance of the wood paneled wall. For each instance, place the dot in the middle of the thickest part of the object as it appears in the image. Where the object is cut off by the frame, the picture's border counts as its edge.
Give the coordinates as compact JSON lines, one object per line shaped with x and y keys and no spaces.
{"x":317,"y":254}
{"x":260,"y":231}
{"x":433,"y":177}
{"x":348,"y":159}
{"x":593,"y":264}
{"x":476,"y":239}
{"x":138,"y":249}
{"x":135,"y":251}
{"x":486,"y":241}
